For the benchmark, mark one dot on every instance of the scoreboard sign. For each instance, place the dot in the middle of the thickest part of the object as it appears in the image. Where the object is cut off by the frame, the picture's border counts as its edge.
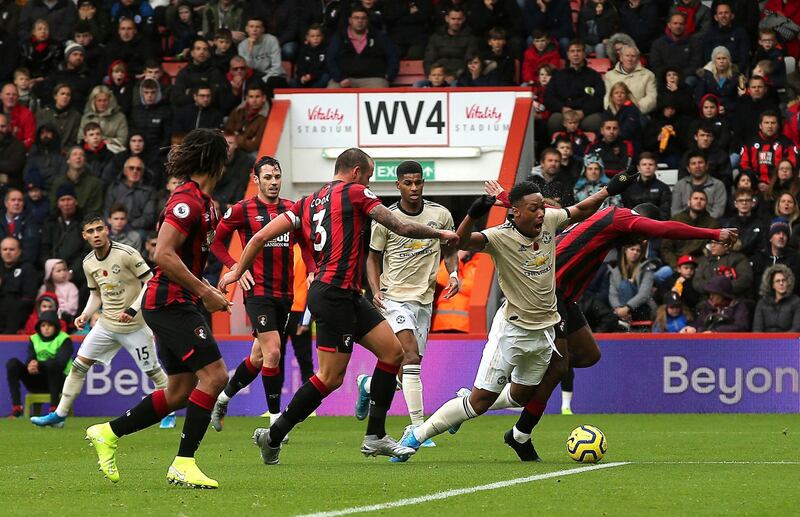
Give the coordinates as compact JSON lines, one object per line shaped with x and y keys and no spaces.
{"x":401,"y":119}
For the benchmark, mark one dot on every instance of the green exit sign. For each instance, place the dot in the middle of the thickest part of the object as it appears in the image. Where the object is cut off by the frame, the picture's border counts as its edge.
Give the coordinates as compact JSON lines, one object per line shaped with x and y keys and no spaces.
{"x":386,"y":170}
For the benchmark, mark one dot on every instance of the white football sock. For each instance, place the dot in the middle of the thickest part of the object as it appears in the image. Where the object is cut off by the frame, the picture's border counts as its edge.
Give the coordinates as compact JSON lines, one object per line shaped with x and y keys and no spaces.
{"x":368,"y":384}
{"x":519,"y":437}
{"x":158,"y":377}
{"x":453,"y":412}
{"x":566,"y":400}
{"x":72,"y":387}
{"x":412,"y":391}
{"x":223,"y":397}
{"x":504,"y":400}
{"x":273,"y":417}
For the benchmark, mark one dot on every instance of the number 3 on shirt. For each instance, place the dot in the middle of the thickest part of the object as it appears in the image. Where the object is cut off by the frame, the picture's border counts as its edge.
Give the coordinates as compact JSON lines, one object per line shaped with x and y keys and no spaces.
{"x":319,"y":230}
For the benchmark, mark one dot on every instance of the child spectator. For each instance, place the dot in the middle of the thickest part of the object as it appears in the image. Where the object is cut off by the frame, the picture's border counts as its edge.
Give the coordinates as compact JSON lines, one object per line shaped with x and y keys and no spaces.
{"x":498,"y":60}
{"x":769,"y":50}
{"x":572,"y":131}
{"x":593,"y":179}
{"x":40,"y":54}
{"x":673,"y":90}
{"x":474,"y":73}
{"x":184,"y":30}
{"x":673,"y":315}
{"x":46,"y":301}
{"x":631,"y":284}
{"x":119,"y":82}
{"x":543,"y":51}
{"x":223,"y":50}
{"x":681,"y":284}
{"x":722,"y":312}
{"x":710,"y":111}
{"x":436,"y":78}
{"x":118,"y":228}
{"x":22,"y":80}
{"x":310,"y":70}
{"x":97,"y":154}
{"x":57,"y":280}
{"x":47,"y":364}
{"x":571,"y":167}
{"x":539,"y":86}
{"x":778,"y":310}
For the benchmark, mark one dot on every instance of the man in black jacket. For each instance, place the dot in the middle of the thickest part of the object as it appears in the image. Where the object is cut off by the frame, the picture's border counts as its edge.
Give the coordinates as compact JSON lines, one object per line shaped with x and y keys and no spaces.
{"x":752,"y":233}
{"x":372,"y":62}
{"x":200,"y":71}
{"x":718,"y":161}
{"x":576,"y":87}
{"x":12,"y":155}
{"x":199,"y":114}
{"x":16,"y":222}
{"x":19,"y":282}
{"x":648,"y":188}
{"x":408,"y":24}
{"x":61,"y":235}
{"x":677,"y":50}
{"x":777,"y":251}
{"x":152,"y":119}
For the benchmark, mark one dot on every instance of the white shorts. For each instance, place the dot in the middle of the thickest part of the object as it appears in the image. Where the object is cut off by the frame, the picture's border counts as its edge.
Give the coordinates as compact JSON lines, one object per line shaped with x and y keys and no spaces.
{"x":514,"y":353}
{"x":412,"y":316}
{"x":102,"y":345}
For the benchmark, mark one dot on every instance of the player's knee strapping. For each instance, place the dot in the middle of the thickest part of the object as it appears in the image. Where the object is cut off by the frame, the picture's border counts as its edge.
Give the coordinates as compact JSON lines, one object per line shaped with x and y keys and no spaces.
{"x":158,"y":377}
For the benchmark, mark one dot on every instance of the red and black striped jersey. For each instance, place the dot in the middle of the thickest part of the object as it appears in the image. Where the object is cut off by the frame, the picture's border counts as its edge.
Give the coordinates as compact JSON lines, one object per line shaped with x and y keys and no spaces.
{"x":335,"y":221}
{"x":190,"y":211}
{"x":273,"y":269}
{"x":582,"y":247}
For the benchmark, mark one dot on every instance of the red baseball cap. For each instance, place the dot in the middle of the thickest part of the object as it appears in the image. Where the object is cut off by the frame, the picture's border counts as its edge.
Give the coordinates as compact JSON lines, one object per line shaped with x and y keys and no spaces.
{"x":687,"y":259}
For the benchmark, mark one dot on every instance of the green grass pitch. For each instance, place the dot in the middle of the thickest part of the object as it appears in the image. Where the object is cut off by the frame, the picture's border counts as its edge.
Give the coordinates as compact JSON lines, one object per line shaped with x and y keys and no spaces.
{"x":53,"y":471}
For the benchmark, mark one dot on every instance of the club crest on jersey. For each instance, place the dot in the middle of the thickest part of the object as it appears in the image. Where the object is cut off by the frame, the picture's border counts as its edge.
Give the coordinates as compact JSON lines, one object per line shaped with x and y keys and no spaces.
{"x":547,"y":237}
{"x":262,"y":320}
{"x":368,"y":193}
{"x":432,"y":224}
{"x":115,"y":269}
{"x":400,"y":319}
{"x":501,"y":380}
{"x":181,"y":210}
{"x":347,"y":341}
{"x":228,"y":212}
{"x":201,"y":332}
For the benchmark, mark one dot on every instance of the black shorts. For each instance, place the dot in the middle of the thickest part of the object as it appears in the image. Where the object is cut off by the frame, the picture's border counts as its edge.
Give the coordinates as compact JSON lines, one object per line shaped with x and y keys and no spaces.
{"x":267,"y":314}
{"x":343,"y":317}
{"x":183,"y":339}
{"x":572,"y":318}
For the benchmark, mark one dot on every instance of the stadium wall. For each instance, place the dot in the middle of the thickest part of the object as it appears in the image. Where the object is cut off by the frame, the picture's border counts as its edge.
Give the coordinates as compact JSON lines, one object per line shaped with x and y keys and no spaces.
{"x":639,"y":373}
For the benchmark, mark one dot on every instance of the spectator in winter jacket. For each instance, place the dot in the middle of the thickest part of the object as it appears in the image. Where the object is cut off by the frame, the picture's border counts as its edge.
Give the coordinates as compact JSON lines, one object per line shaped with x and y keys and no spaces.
{"x":720,"y":260}
{"x":752,"y":231}
{"x":12,"y":155}
{"x":763,"y":153}
{"x":597,"y":21}
{"x":15,"y":221}
{"x":18,"y":283}
{"x":710,"y":112}
{"x":673,"y":91}
{"x":717,"y":159}
{"x":552,"y":16}
{"x":36,"y":202}
{"x":46,"y":366}
{"x":130,"y":46}
{"x":592,"y":180}
{"x":72,"y":71}
{"x":694,"y":215}
{"x":61,"y":16}
{"x":785,"y":181}
{"x":639,"y":80}
{"x":153,"y":70}
{"x":95,"y":21}
{"x":724,"y":33}
{"x":23,"y":123}
{"x":222,"y":50}
{"x":408,"y":24}
{"x":282,"y":20}
{"x":94,"y":147}
{"x":102,"y":108}
{"x":45,"y":158}
{"x":138,"y":199}
{"x":664,"y":135}
{"x":614,"y":46}
{"x":262,"y":52}
{"x":57,"y":280}
{"x":231,"y":187}
{"x":571,"y":167}
{"x":139,"y":11}
{"x":698,"y":16}
{"x":699,"y":179}
{"x":184,"y":30}
{"x":310,"y":70}
{"x":498,"y":60}
{"x":86,"y":188}
{"x":224,"y":14}
{"x":152,"y":119}
{"x":777,"y":250}
{"x":677,"y":49}
{"x":44,"y":302}
{"x":618,"y":155}
{"x":721,"y":78}
{"x":436,"y":78}
{"x":722,"y":312}
{"x":576,"y":87}
{"x":233,"y":90}
{"x":648,"y":188}
{"x":768,"y":49}
{"x":153,"y":170}
{"x":476,"y":74}
{"x":199,"y":114}
{"x":673,"y":315}
{"x":546,"y":175}
{"x":543,"y":51}
{"x":778,"y":310}
{"x":60,"y":116}
{"x":200,"y":71}
{"x":680,"y":283}
{"x":756,"y":100}
{"x":622,"y":107}
{"x":639,"y":19}
{"x":121,"y":85}
{"x":359,"y":58}
{"x":94,"y":50}
{"x":248,"y":121}
{"x":450,"y":45}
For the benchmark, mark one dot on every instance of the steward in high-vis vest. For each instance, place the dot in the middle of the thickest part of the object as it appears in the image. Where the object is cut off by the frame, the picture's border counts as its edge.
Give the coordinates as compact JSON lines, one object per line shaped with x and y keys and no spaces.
{"x":47,"y":365}
{"x":452,"y":315}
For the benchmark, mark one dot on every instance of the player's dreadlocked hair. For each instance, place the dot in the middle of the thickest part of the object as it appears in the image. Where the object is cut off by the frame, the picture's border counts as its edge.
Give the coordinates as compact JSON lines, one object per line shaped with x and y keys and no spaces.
{"x":203,"y":151}
{"x":266,"y":160}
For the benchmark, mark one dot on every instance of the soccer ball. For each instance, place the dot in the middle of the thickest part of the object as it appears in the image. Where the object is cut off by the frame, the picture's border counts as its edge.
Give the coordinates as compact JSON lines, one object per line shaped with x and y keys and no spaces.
{"x":587,"y":444}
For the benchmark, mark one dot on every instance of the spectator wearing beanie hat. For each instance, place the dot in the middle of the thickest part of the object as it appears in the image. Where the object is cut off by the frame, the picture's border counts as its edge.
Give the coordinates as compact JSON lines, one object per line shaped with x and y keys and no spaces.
{"x":722,"y":78}
{"x":36,"y":202}
{"x":74,"y":72}
{"x":61,"y":235}
{"x":777,"y":250}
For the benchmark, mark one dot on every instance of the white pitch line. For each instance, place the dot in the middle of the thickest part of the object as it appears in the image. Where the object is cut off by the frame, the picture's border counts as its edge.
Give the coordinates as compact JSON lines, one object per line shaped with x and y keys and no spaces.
{"x":463,"y":491}
{"x":715,"y":462}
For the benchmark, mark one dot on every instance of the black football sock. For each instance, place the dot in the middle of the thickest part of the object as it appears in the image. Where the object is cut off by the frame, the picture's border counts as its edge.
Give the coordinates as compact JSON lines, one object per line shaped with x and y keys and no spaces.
{"x":384,"y":381}
{"x":530,"y":417}
{"x":305,"y":401}
{"x":244,"y":375}
{"x":149,"y":411}
{"x":198,"y":415}
{"x":568,"y":380}
{"x":272,"y":388}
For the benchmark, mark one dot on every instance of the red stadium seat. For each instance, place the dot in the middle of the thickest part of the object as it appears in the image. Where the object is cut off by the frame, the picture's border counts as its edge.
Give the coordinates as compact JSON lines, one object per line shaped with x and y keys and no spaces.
{"x":173,"y":67}
{"x":599,"y":64}
{"x":410,"y":72}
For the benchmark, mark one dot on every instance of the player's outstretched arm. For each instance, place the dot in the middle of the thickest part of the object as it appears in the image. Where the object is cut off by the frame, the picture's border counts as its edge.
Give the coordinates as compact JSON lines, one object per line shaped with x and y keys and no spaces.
{"x":580,"y":211}
{"x":384,"y":216}
{"x":169,"y":240}
{"x":276,"y":227}
{"x":92,"y":305}
{"x":679,"y":231}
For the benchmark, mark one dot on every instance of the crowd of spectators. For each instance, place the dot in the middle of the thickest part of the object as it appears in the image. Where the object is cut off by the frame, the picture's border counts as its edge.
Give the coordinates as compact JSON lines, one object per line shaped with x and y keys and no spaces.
{"x":88,"y":113}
